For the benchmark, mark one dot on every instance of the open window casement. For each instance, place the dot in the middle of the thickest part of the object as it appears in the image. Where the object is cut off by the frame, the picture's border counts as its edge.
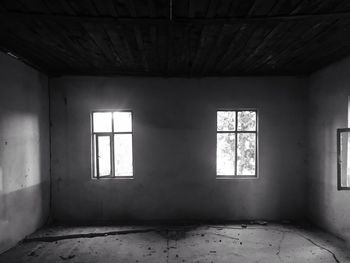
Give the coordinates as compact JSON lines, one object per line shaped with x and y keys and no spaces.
{"x":343,"y":158}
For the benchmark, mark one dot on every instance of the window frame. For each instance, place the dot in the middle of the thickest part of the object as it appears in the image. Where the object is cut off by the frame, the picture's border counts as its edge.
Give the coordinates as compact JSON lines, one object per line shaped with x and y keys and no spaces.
{"x":256,"y":132}
{"x":339,"y":175}
{"x":111,"y":135}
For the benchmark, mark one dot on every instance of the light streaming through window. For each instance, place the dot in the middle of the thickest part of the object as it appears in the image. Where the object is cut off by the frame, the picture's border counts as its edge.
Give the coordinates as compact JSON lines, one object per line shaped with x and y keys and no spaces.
{"x":236,"y":153}
{"x":112,"y":144}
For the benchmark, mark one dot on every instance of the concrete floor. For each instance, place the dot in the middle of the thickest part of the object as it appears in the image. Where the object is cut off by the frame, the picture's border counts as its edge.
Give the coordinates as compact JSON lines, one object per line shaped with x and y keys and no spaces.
{"x":206,"y":243}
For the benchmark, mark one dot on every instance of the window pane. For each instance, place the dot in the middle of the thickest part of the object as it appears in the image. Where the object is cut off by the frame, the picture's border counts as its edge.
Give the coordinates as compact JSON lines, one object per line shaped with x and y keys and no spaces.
{"x":345,"y":159}
{"x":225,"y":154}
{"x":226,"y":120}
{"x":104,"y":155}
{"x":95,"y":156}
{"x":246,"y":153}
{"x":102,"y":121}
{"x":122,"y":121}
{"x":123,"y":154}
{"x":246,"y":121}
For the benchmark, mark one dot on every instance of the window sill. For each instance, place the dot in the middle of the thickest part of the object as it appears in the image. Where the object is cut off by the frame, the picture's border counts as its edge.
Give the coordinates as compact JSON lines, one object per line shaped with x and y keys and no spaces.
{"x":229,"y":177}
{"x":114,"y":178}
{"x":343,"y":188}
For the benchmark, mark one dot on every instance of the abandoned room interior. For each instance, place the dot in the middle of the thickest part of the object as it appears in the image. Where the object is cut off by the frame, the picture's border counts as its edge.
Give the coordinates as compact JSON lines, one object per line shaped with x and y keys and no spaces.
{"x":174,"y":131}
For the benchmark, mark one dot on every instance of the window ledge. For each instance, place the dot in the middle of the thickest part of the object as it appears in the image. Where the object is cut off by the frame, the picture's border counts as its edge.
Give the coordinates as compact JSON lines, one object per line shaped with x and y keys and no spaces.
{"x":229,"y":177}
{"x":114,"y":178}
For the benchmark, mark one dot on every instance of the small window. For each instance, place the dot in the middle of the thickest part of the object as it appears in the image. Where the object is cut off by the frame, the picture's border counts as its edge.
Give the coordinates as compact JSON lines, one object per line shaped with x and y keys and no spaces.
{"x":112,"y":144}
{"x":343,"y":151}
{"x":236,"y":143}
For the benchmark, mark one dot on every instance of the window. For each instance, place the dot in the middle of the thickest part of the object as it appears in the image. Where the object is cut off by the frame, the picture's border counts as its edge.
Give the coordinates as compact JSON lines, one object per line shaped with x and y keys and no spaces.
{"x":343,"y":152}
{"x":236,"y":143}
{"x":112,"y":144}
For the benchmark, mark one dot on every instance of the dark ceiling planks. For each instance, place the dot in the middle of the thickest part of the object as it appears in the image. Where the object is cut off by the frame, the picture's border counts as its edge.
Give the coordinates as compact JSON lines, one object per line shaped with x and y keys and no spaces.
{"x":176,"y":37}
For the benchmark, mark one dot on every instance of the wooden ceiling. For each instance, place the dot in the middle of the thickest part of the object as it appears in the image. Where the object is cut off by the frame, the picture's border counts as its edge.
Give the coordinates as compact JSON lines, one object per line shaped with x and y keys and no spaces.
{"x":176,"y":37}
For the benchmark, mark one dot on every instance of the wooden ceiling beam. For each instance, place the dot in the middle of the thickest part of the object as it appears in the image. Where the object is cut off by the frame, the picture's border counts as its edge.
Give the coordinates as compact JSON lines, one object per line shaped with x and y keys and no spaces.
{"x":178,"y":20}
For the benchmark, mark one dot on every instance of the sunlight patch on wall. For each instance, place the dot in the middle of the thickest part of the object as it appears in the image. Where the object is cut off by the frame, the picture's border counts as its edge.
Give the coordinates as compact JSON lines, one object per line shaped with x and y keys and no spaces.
{"x":20,"y":151}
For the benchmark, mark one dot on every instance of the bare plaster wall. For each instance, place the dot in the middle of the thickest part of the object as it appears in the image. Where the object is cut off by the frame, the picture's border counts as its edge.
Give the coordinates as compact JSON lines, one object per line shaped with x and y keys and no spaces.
{"x":328,"y":111}
{"x":174,"y":149}
{"x":24,"y":151}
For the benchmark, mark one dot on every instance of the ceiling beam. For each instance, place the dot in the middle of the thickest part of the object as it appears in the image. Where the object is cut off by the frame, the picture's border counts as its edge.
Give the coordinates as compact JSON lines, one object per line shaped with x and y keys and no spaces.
{"x":179,"y":20}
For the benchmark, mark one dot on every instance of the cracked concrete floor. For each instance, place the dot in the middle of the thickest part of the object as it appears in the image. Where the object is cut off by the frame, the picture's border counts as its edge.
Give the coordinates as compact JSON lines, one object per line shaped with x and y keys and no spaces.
{"x":205,"y":243}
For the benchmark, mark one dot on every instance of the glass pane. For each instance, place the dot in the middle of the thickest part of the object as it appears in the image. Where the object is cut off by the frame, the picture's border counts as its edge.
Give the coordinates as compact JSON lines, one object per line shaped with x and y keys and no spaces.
{"x":95,"y":156}
{"x":345,"y":159}
{"x":102,"y":121}
{"x":104,"y":155}
{"x":226,"y":120}
{"x":122,"y":121}
{"x":246,"y":153}
{"x":123,"y":154}
{"x":225,"y":154}
{"x":246,"y":121}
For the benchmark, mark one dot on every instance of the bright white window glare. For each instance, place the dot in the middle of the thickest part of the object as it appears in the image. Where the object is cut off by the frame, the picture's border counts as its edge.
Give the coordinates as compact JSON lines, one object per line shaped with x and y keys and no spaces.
{"x":246,"y":121}
{"x":225,"y":154}
{"x":95,"y":155}
{"x":345,"y":159}
{"x":112,"y":134}
{"x":104,"y":155}
{"x":226,"y":120}
{"x":123,"y":155}
{"x":236,"y":148}
{"x":246,"y":154}
{"x":122,"y":121}
{"x":102,"y":122}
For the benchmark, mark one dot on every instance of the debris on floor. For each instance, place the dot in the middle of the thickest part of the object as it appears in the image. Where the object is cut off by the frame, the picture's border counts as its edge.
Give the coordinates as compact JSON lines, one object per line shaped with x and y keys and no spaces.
{"x":262,"y":242}
{"x":260,"y":222}
{"x":33,"y":254}
{"x":68,"y":257}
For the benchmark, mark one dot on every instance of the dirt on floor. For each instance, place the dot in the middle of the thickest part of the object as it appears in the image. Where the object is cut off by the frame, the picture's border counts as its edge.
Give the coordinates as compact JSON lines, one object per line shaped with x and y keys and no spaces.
{"x":254,"y":242}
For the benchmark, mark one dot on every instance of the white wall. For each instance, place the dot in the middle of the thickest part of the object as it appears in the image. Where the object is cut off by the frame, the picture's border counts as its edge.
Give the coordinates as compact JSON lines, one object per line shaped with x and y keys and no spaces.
{"x":174,"y":149}
{"x":328,"y":108}
{"x":24,"y":150}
